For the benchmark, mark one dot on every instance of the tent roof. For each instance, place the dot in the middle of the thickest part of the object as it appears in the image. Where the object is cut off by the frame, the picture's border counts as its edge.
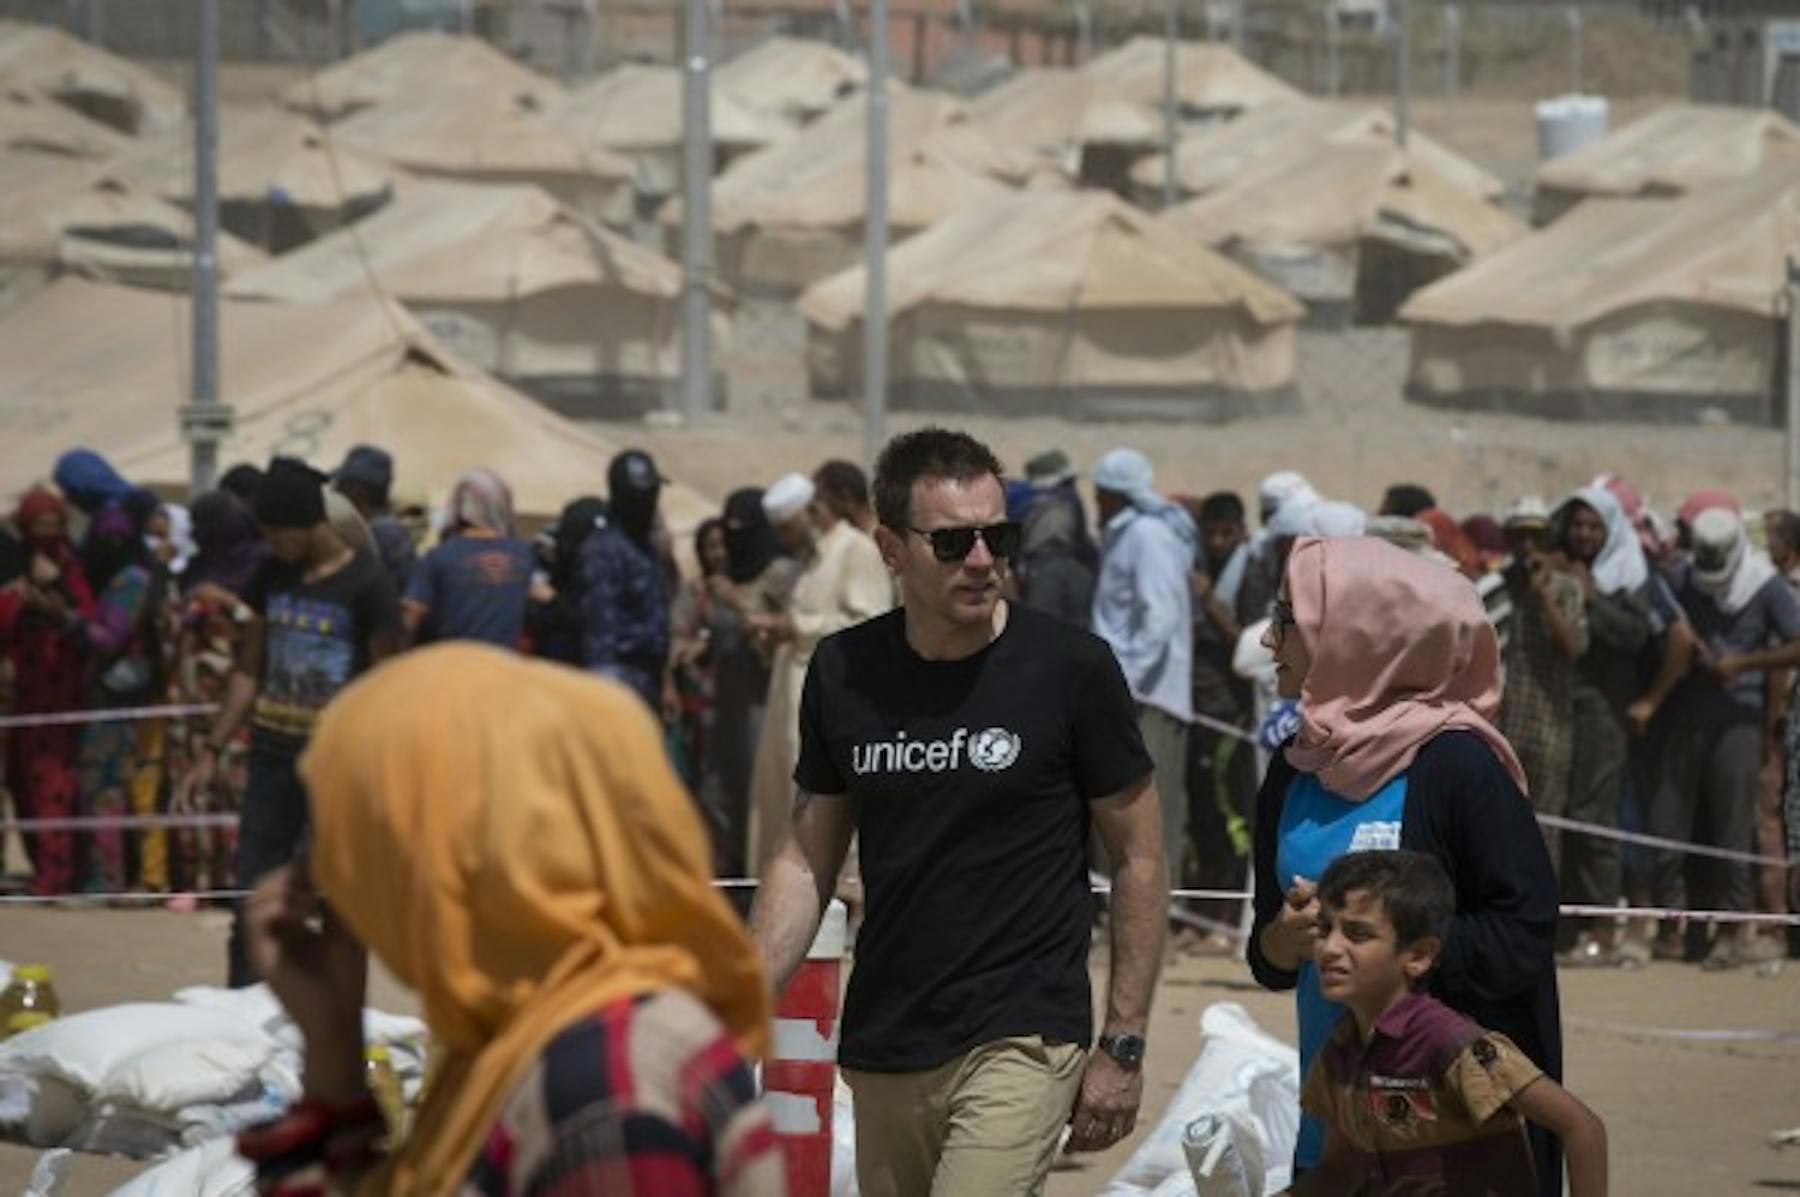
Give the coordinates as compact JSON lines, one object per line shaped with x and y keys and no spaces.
{"x":1209,"y":76}
{"x":99,"y":368}
{"x":1678,"y":147}
{"x":1218,"y":157}
{"x":791,"y":78}
{"x":637,"y":107}
{"x":263,"y":153}
{"x":815,"y":179}
{"x":417,"y":67}
{"x":1725,"y":247}
{"x":1335,"y":193}
{"x":92,"y":222}
{"x":473,"y":132}
{"x":66,"y":66}
{"x":1053,"y":107}
{"x":1053,"y":252}
{"x":32,"y":119}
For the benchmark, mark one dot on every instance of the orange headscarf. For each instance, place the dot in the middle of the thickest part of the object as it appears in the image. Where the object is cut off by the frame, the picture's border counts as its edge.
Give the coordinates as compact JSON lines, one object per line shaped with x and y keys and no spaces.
{"x":508,"y":837}
{"x":1401,"y":650}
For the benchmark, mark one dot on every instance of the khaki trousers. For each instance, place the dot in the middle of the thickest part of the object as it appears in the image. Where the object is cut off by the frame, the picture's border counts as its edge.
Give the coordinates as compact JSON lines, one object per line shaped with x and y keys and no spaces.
{"x":985,"y":1124}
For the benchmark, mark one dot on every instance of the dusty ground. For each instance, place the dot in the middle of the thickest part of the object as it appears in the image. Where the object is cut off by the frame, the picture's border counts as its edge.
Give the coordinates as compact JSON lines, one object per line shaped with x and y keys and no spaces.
{"x":1686,"y":1118}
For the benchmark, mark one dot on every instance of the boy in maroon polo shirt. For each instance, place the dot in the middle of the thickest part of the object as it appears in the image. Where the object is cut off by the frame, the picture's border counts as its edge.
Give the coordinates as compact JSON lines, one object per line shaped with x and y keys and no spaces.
{"x":1417,"y":1099}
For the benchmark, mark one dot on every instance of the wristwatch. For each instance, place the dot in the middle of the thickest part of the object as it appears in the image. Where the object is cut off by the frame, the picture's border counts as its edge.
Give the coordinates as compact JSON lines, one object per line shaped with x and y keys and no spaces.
{"x":1126,"y":1049}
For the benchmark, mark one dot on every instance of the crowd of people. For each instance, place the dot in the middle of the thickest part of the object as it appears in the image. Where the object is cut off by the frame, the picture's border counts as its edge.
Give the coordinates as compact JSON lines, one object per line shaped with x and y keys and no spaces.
{"x":1648,"y":664}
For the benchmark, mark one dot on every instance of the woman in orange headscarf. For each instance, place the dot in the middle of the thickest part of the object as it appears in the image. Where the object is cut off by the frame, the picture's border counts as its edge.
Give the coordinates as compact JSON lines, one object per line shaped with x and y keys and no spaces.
{"x":1397,"y":671}
{"x":508,"y":838}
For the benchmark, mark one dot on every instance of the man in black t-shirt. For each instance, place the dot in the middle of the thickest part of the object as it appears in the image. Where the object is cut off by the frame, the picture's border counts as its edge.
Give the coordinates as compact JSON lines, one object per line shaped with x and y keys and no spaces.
{"x":323,"y":614}
{"x":970,"y":743}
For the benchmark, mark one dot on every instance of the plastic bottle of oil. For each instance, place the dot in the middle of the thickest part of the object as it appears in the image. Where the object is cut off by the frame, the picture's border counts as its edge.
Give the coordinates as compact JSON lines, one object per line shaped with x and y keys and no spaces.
{"x":384,"y":1083}
{"x":29,"y":1000}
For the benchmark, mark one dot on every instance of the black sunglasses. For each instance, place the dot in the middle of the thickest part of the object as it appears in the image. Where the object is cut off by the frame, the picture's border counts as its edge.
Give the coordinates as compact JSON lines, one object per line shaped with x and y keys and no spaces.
{"x":955,"y":544}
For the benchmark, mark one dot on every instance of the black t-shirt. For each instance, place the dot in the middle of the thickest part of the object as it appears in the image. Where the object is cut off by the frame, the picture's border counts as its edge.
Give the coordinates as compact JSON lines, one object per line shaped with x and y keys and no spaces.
{"x":971,"y":780}
{"x":315,"y":642}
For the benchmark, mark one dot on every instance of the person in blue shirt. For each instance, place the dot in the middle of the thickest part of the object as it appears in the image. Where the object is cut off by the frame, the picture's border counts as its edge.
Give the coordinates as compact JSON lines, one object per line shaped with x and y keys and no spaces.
{"x":477,"y":583}
{"x":624,"y":595}
{"x":1397,"y":671}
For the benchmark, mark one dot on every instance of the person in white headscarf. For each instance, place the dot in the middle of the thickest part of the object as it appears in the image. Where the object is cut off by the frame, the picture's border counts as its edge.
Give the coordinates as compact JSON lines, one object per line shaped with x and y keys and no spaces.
{"x":1607,"y":560}
{"x":842,"y":581}
{"x":1285,"y":500}
{"x":1745,"y":622}
{"x":1143,"y":608}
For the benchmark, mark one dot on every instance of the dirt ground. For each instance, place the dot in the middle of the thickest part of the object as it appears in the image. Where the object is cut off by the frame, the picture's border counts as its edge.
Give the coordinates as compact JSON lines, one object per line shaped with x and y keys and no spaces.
{"x":1686,"y":1117}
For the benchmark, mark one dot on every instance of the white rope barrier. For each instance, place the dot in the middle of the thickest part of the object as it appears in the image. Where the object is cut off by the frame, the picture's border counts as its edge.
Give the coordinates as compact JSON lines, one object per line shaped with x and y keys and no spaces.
{"x":107,"y":715}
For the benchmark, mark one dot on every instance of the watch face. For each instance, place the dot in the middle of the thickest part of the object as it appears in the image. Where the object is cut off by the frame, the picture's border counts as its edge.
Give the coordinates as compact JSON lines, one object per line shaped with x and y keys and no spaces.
{"x":1126,"y":1049}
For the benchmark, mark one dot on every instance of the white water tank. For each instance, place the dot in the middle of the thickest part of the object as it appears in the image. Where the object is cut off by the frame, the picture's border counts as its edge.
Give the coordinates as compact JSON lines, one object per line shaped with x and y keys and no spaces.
{"x":1567,"y":123}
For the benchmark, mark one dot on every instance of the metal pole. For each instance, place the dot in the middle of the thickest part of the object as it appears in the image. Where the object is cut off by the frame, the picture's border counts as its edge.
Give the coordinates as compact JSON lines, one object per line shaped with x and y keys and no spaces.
{"x":1793,"y":384}
{"x":1333,"y":67}
{"x":1171,"y":134}
{"x":1574,"y":17}
{"x":1084,"y":31}
{"x":1403,"y":74}
{"x":696,"y":210}
{"x":201,"y":421}
{"x":1452,"y":54}
{"x":1240,"y":12}
{"x":875,"y":238}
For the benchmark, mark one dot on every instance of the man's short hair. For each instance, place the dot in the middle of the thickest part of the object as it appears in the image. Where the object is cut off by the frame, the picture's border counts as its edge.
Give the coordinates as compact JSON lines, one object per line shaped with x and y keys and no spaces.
{"x":843,"y":486}
{"x":1412,"y":887}
{"x":1407,"y":499}
{"x":1785,"y":527}
{"x":927,"y":453}
{"x":1221,"y":506}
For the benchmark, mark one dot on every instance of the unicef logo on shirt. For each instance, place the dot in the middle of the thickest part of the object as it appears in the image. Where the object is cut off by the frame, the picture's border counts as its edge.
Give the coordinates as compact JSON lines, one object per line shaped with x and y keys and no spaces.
{"x":994,"y":749}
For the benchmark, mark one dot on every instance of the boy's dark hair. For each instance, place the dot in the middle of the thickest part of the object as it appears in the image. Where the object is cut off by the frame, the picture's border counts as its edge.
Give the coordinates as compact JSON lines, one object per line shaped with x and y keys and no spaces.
{"x":927,"y":453}
{"x":843,"y":486}
{"x":1784,"y":526}
{"x":1220,"y":507}
{"x":1412,"y":887}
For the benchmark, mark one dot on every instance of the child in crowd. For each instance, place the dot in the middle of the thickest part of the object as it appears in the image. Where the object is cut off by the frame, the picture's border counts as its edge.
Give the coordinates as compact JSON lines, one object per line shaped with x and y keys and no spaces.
{"x":1417,"y":1099}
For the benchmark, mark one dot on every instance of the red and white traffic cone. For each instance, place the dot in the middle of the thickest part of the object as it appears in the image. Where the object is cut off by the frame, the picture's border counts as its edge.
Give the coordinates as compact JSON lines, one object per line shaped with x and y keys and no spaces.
{"x":801,"y":1075}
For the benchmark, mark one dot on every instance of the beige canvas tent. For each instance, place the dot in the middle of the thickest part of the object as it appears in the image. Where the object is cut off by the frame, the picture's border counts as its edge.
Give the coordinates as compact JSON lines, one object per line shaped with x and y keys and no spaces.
{"x":1351,"y":227}
{"x":96,"y":366}
{"x":1639,"y":309}
{"x":514,"y":283}
{"x":635,"y":111}
{"x":101,"y":85}
{"x":495,"y":139}
{"x":1071,"y":304}
{"x":1674,"y":150}
{"x":1065,"y":115}
{"x":283,"y":180}
{"x":31,"y":119}
{"x":791,"y":79}
{"x":1221,"y":155}
{"x":416,"y":67}
{"x":792,"y":214}
{"x":1212,"y":79}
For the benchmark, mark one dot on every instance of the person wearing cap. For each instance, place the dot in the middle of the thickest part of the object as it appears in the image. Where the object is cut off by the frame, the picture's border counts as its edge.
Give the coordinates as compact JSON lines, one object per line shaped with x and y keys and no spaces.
{"x":1745,"y":622}
{"x":971,"y":743}
{"x":1283,"y":499}
{"x":322,"y":614}
{"x":366,"y":478}
{"x":1143,"y":609}
{"x":625,"y":594}
{"x":1056,"y":568}
{"x":1547,"y":634}
{"x":841,"y":582}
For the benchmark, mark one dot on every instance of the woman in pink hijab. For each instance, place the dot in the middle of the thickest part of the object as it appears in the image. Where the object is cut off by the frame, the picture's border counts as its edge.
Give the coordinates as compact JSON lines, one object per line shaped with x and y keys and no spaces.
{"x":1397,"y":671}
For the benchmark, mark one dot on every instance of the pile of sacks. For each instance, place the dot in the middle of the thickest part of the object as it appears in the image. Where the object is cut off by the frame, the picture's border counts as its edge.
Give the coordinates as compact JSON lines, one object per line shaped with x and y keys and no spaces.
{"x":148,"y":1078}
{"x":1229,"y":1130}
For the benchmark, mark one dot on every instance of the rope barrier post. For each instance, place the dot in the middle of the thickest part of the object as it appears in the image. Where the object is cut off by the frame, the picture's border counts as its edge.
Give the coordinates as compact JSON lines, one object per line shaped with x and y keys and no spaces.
{"x":800,"y":1078}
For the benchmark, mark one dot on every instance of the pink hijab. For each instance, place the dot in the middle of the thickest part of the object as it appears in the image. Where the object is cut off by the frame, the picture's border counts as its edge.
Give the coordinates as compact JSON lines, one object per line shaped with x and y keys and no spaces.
{"x":1401,"y":650}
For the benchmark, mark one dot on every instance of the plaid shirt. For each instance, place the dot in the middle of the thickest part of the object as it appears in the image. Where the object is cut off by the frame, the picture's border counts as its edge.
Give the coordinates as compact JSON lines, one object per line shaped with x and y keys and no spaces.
{"x":643,"y":1098}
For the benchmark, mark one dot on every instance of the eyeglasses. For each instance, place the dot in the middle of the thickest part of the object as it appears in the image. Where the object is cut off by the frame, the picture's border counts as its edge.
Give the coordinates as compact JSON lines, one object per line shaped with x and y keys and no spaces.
{"x":955,"y":544}
{"x":1282,"y":617}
